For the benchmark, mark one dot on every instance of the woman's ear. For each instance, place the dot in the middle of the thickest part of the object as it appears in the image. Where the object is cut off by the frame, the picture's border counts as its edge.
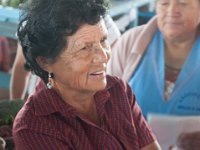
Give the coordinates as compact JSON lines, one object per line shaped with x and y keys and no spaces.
{"x":44,"y":63}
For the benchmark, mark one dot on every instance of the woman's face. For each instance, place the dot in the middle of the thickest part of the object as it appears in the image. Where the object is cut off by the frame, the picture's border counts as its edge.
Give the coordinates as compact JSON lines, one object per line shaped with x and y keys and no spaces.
{"x":82,"y":65}
{"x":178,"y":18}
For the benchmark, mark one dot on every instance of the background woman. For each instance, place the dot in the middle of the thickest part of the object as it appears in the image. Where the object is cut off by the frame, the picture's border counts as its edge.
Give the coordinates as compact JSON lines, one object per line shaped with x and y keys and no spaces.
{"x":161,"y":62}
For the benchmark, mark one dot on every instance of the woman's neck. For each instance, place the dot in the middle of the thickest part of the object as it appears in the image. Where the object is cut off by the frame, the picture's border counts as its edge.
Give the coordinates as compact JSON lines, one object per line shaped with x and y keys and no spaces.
{"x":177,"y":51}
{"x":80,"y":100}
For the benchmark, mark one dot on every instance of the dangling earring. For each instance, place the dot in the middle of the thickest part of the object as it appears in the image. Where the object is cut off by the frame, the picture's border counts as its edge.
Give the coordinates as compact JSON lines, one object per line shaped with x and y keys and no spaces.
{"x":50,"y":81}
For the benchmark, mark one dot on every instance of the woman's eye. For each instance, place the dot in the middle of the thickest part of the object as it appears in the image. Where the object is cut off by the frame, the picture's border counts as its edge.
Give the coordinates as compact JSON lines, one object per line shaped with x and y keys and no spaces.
{"x":104,"y":41}
{"x":183,"y":2}
{"x":163,"y":2}
{"x":84,"y":48}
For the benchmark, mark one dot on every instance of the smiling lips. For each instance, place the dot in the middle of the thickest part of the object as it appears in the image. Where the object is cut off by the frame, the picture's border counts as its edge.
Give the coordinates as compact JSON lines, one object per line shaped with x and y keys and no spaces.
{"x":98,"y":74}
{"x":173,"y":22}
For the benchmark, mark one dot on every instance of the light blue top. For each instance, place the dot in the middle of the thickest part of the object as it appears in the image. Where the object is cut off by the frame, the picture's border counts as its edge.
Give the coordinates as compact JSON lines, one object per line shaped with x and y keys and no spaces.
{"x":148,"y":82}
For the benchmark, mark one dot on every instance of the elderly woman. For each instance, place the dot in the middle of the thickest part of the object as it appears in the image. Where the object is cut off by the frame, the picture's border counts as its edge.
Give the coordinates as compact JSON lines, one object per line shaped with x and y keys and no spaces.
{"x":23,"y":83}
{"x":161,"y":60}
{"x":76,"y":106}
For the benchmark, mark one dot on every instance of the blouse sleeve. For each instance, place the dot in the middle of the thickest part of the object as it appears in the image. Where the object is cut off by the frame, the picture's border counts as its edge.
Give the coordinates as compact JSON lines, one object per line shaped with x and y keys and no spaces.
{"x":145,"y":135}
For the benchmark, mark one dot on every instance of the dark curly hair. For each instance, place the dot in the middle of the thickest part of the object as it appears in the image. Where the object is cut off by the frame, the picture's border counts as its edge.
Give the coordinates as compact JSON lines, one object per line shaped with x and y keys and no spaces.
{"x":45,"y":24}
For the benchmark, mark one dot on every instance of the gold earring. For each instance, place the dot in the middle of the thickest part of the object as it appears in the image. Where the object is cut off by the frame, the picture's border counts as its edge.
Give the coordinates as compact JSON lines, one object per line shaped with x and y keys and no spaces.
{"x":50,"y":82}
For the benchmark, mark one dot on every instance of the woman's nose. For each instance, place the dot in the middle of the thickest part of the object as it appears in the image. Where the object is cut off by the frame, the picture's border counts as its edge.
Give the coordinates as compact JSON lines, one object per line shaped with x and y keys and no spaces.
{"x":174,"y":8}
{"x":101,"y":54}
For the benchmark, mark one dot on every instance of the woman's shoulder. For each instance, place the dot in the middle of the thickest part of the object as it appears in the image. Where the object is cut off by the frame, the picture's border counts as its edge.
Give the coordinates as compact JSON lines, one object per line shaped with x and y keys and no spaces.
{"x":28,"y":115}
{"x":134,"y":31}
{"x":23,"y":118}
{"x":32,"y":116}
{"x":130,"y":35}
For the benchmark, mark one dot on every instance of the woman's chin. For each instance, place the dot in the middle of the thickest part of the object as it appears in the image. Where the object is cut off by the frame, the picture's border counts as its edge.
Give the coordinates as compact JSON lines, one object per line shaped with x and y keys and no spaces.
{"x":98,"y":85}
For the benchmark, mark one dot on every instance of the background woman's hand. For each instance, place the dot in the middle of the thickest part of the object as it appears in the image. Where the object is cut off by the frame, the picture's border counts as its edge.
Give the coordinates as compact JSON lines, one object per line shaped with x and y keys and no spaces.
{"x":189,"y":141}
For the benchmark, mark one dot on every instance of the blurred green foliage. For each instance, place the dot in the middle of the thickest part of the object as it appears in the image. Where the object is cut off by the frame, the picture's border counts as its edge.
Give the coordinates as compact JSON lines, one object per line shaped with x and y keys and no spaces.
{"x":8,"y":110}
{"x":12,"y":3}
